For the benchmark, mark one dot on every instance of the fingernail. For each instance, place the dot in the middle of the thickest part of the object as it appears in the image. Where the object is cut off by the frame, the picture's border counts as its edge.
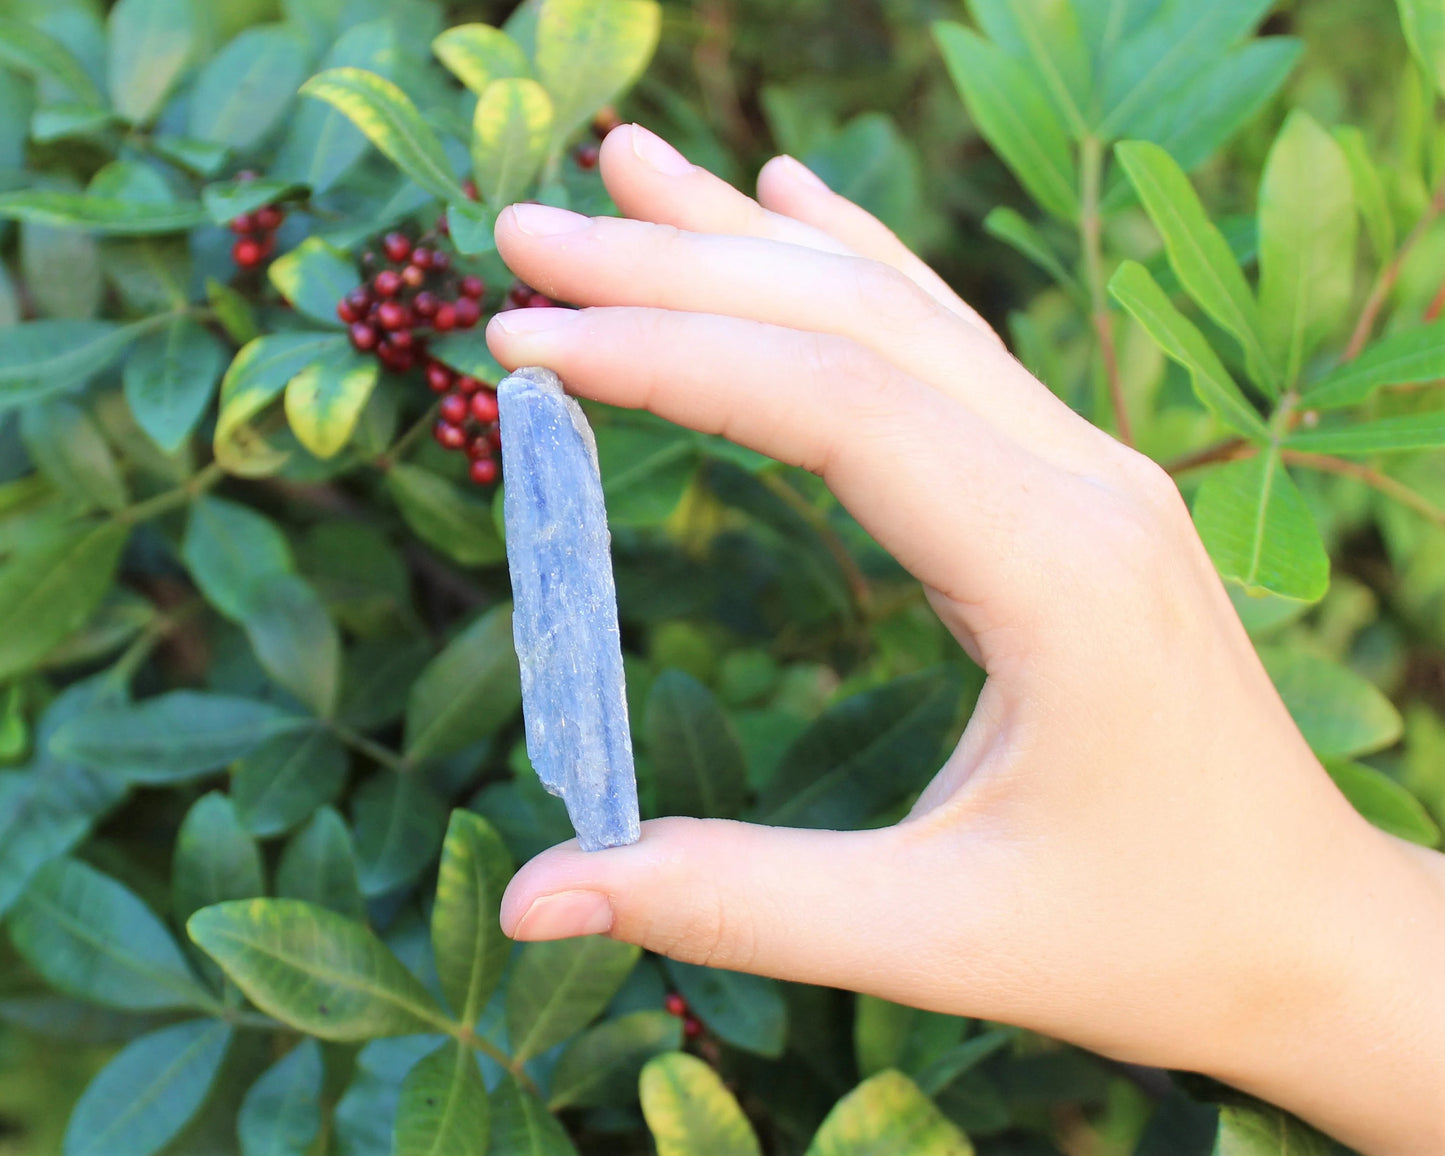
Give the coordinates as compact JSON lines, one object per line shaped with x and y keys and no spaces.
{"x":546,"y":221}
{"x":657,"y":153}
{"x":565,"y":915}
{"x":516,"y":322}
{"x":804,"y":175}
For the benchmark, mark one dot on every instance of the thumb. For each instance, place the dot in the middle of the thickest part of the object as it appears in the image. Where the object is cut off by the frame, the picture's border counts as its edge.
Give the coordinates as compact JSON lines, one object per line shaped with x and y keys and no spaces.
{"x":795,"y":904}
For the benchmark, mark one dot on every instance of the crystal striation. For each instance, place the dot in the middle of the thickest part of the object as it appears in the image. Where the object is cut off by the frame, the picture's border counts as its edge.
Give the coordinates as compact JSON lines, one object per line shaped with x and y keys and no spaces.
{"x":574,"y":696}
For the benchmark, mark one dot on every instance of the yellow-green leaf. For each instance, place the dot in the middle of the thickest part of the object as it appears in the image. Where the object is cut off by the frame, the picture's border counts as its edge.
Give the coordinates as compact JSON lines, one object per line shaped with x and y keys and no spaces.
{"x":591,"y":51}
{"x":510,"y":135}
{"x":324,"y":402}
{"x":886,"y":1115}
{"x":1385,"y":803}
{"x":471,"y":951}
{"x":1424,"y":24}
{"x":689,"y":1110}
{"x":477,"y":54}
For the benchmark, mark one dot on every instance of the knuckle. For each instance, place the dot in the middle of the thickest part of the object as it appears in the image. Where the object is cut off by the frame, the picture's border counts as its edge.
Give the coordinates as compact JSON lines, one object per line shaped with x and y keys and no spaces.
{"x":886,"y":297}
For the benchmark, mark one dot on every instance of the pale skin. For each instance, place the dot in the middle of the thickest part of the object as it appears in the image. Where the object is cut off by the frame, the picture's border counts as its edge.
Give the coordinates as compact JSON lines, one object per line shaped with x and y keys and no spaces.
{"x":1132,"y":848}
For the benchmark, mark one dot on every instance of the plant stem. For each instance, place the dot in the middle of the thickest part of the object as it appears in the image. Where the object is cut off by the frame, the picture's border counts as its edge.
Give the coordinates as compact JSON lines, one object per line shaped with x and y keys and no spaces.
{"x":1091,"y":230}
{"x":1371,"y":477}
{"x":1225,"y":451}
{"x":856,"y":579}
{"x":470,"y":1038}
{"x":173,"y":499}
{"x":372,"y":750}
{"x":1390,"y":276}
{"x":404,"y":443}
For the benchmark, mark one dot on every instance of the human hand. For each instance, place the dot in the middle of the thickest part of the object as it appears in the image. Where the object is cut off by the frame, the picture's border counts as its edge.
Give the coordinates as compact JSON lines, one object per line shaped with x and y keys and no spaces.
{"x":1132,"y":847}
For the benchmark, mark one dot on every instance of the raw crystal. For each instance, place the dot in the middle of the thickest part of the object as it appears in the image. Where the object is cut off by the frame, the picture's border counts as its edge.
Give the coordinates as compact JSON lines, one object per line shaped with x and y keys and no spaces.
{"x":565,"y":624}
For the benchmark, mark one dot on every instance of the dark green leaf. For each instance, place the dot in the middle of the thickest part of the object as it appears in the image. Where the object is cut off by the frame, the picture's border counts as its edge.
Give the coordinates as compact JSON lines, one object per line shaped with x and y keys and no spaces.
{"x":471,"y":951}
{"x":744,"y":1010}
{"x":246,"y":87}
{"x":467,"y":692}
{"x":1411,"y":431}
{"x":467,"y":352}
{"x":939,"y":1073}
{"x":379,"y":674}
{"x":228,"y":200}
{"x":558,"y":988}
{"x":399,"y":825}
{"x":647,"y":465}
{"x":42,"y":358}
{"x":170,"y":379}
{"x":215,"y":859}
{"x":313,"y":969}
{"x":281,"y":1114}
{"x":588,"y":54}
{"x":319,"y":866}
{"x":601,"y":1067}
{"x":885,"y":1115}
{"x":689,"y":1110}
{"x":294,"y":638}
{"x":1412,"y":357}
{"x":228,"y":548}
{"x":151,"y":44}
{"x":521,"y":1126}
{"x":68,"y":449}
{"x":697,"y":759}
{"x":1011,"y":228}
{"x":443,"y":1109}
{"x":314,"y":277}
{"x":445,"y":518}
{"x":146,"y":1095}
{"x":90,"y":937}
{"x":27,"y":49}
{"x":1384,"y":802}
{"x":282,"y":782}
{"x":104,"y":216}
{"x":1339,"y":713}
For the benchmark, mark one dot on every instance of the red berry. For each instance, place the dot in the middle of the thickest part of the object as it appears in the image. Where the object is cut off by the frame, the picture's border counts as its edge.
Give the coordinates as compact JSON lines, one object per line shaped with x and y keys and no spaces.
{"x":245,"y":176}
{"x":346,"y":312}
{"x":413,"y":276}
{"x":473,"y":287}
{"x":424,"y":304}
{"x":494,"y":435}
{"x":519,"y":294}
{"x":484,"y":406}
{"x":443,"y":226}
{"x":396,"y":360}
{"x":359,"y":299}
{"x":393,"y":315}
{"x":451,"y":436}
{"x":539,"y":301}
{"x":439,"y":378}
{"x":446,"y":318}
{"x":468,"y":313}
{"x":454,"y":409}
{"x":483,"y":471}
{"x":402,"y":339}
{"x":605,"y":121}
{"x":248,"y":253}
{"x":397,"y":247}
{"x":587,"y":157}
{"x":479,"y":447}
{"x":269,"y":218}
{"x":364,"y":336}
{"x":440,"y":262}
{"x":469,"y":187}
{"x":387,"y":283}
{"x":468,"y":385}
{"x":674,"y":1004}
{"x":243,"y":225}
{"x":692,"y":1027}
{"x":421,"y":257}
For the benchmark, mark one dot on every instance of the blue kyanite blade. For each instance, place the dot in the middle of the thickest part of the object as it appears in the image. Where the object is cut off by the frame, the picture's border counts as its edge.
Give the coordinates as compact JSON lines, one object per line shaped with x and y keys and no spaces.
{"x":565,"y":625}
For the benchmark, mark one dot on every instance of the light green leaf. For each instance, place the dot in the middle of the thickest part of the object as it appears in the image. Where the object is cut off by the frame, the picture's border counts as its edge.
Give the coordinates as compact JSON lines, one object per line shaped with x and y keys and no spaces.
{"x":151,"y":43}
{"x":443,"y":1109}
{"x":1384,"y":802}
{"x":522,"y":1126}
{"x":471,"y":951}
{"x":170,"y":379}
{"x":224,"y":201}
{"x":172,"y":737}
{"x":885,"y":1115}
{"x":1266,"y":1131}
{"x":1412,"y":357}
{"x":42,"y":358}
{"x":29,"y":50}
{"x":234,"y":313}
{"x":647,"y":465}
{"x":689,"y":1110}
{"x":511,"y":131}
{"x":601,"y":1067}
{"x":103,"y":216}
{"x":88,"y":936}
{"x":889,"y":1035}
{"x":325,"y":400}
{"x":473,"y":232}
{"x":1387,"y":435}
{"x":466,"y":351}
{"x":1370,"y":193}
{"x":747,"y":1011}
{"x":1045,"y":35}
{"x":215,"y":859}
{"x":1424,"y":24}
{"x":149,"y":1092}
{"x":1012,"y":229}
{"x":1260,"y":533}
{"x":391,"y":122}
{"x":1136,"y":290}
{"x":1015,"y":116}
{"x":467,"y":692}
{"x":79,"y":294}
{"x":70,"y":452}
{"x":1339,"y":713}
{"x":697,"y":758}
{"x":282,"y":782}
{"x":314,"y":277}
{"x":242,"y":92}
{"x":319,"y":866}
{"x":281,"y":1114}
{"x":1198,"y":253}
{"x":442,"y":516}
{"x":50,"y":590}
{"x":315,"y":970}
{"x":558,"y":988}
{"x":228,"y":548}
{"x":589,"y":52}
{"x":295,"y":639}
{"x":1307,"y":230}
{"x":477,"y":54}
{"x":399,"y":825}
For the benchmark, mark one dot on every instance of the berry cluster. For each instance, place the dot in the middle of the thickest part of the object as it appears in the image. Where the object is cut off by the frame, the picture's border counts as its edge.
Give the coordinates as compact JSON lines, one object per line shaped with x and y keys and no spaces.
{"x":675,"y":1005}
{"x":523,"y":296}
{"x":467,"y":420}
{"x":256,"y":235}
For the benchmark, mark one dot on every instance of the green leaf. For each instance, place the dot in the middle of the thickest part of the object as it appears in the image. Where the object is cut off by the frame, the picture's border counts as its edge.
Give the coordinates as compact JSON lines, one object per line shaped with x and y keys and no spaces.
{"x":467,"y":352}
{"x":697,"y":758}
{"x":467,"y":692}
{"x":88,"y":936}
{"x":315,"y":970}
{"x":559,"y":987}
{"x":295,"y":639}
{"x":1384,"y":802}
{"x":1409,"y":431}
{"x":1370,"y":193}
{"x":442,"y":516}
{"x":170,"y":380}
{"x":172,"y":737}
{"x":747,"y":1011}
{"x":689,"y":1110}
{"x":601,"y":1067}
{"x":589,"y":52}
{"x":1137,"y":291}
{"x":1015,"y":115}
{"x":41,"y":358}
{"x":867,"y":753}
{"x":938,"y":1074}
{"x":70,"y":452}
{"x":522,"y":1126}
{"x":889,"y":1035}
{"x":1008,"y":226}
{"x":511,"y":131}
{"x":325,"y":401}
{"x":227,"y":200}
{"x":647,"y":465}
{"x":1413,"y":357}
{"x":241,"y":94}
{"x":282,"y":782}
{"x":227,"y":548}
{"x":391,"y":122}
{"x":1198,"y":253}
{"x":1339,"y":713}
{"x":49,"y":591}
{"x":233,"y":312}
{"x":29,"y":50}
{"x":443,"y":1109}
{"x":215,"y":859}
{"x":885,"y":1115}
{"x":477,"y":54}
{"x":314,"y":277}
{"x":1424,"y":24}
{"x":319,"y":866}
{"x":1260,"y":533}
{"x":471,"y":951}
{"x":79,"y":294}
{"x":473,"y":233}
{"x":399,"y":825}
{"x":149,"y":1092}
{"x":151,"y":43}
{"x":1045,"y":35}
{"x":1307,"y":230}
{"x":1265,"y":1131}
{"x":103,"y":216}
{"x":281,"y":1114}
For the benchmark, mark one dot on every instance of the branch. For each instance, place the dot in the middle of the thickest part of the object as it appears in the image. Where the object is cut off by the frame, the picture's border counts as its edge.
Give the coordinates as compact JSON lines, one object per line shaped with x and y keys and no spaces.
{"x":1226,"y":451}
{"x":1091,"y":227}
{"x":1389,"y":277}
{"x":1372,"y":478}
